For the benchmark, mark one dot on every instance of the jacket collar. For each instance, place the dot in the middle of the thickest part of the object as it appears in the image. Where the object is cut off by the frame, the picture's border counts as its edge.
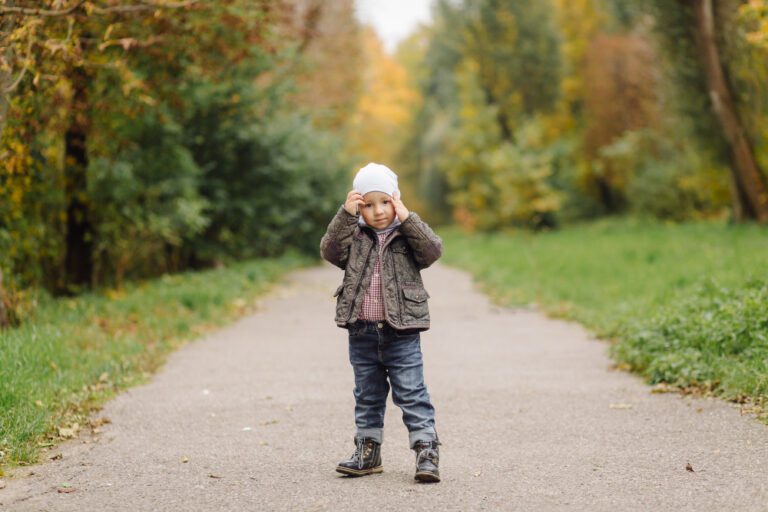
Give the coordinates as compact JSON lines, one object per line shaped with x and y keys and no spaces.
{"x":366,"y":231}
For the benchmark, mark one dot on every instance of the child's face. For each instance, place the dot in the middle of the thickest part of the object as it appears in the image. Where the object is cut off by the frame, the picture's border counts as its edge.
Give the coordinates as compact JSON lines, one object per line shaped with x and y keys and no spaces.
{"x":378,"y":210}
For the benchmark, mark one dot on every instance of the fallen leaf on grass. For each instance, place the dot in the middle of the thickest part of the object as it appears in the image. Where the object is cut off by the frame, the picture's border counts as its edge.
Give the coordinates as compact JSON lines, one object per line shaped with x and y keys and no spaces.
{"x":750,"y":409}
{"x":620,"y":406}
{"x":98,"y":422}
{"x":69,"y":432}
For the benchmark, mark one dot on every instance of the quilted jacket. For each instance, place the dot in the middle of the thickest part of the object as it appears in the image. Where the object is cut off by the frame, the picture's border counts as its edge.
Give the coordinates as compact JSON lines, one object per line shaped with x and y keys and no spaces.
{"x":353,"y":248}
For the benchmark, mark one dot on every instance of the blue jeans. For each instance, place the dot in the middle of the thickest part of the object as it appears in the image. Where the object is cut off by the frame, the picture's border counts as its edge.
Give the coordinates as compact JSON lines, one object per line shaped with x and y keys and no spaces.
{"x":382,"y":356}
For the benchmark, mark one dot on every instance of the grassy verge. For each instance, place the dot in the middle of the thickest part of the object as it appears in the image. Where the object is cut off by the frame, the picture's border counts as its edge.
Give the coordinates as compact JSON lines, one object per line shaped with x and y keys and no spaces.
{"x":76,"y":353}
{"x":685,"y":305}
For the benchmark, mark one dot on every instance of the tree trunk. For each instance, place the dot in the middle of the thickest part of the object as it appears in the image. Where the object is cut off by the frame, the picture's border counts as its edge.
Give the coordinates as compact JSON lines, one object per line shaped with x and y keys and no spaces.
{"x":78,"y":261}
{"x":746,"y":173}
{"x":501,"y":118}
{"x":6,"y":77}
{"x":3,"y":312}
{"x":738,"y":200}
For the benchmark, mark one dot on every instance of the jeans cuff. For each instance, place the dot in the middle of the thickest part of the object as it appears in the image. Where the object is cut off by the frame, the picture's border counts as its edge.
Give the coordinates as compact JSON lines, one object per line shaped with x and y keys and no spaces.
{"x":425,"y":434}
{"x":377,"y":434}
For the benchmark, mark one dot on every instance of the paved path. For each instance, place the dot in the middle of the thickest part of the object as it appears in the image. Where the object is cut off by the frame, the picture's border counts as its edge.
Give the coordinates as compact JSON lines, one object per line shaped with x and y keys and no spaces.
{"x":530,"y":414}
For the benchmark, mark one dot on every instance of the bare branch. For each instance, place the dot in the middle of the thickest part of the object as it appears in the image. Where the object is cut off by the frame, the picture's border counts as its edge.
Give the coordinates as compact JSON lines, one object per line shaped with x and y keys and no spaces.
{"x":16,"y":83}
{"x":127,"y":43}
{"x":149,"y":6}
{"x":40,"y":12}
{"x":143,"y":7}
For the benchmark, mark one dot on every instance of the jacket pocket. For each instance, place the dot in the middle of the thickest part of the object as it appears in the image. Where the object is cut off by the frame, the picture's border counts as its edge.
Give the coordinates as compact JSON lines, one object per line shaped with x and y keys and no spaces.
{"x":415,"y":294}
{"x":415,"y":307}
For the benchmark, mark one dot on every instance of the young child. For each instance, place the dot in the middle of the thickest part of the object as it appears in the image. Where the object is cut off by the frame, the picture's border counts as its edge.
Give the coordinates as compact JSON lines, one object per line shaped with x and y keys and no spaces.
{"x":381,"y":247}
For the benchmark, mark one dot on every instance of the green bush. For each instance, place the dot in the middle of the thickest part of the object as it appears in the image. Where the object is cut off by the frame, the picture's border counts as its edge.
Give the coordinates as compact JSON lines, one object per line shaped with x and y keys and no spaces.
{"x":712,"y":336}
{"x":270,"y":181}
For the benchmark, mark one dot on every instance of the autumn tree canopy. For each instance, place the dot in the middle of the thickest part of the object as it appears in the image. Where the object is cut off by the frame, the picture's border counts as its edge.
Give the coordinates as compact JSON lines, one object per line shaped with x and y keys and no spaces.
{"x":144,"y":137}
{"x":536,"y":113}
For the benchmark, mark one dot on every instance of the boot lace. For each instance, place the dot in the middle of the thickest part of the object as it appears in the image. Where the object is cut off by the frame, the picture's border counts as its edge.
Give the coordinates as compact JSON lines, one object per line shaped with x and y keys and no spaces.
{"x":426,"y":452}
{"x":361,"y":450}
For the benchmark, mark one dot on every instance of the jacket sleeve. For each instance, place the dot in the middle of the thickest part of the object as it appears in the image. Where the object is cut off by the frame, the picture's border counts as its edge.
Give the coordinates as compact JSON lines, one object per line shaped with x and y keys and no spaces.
{"x":426,"y":245}
{"x":335,"y":244}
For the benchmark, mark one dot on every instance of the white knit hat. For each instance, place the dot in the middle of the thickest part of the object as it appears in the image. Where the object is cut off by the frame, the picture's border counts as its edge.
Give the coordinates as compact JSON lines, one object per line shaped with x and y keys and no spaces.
{"x":375,"y":178}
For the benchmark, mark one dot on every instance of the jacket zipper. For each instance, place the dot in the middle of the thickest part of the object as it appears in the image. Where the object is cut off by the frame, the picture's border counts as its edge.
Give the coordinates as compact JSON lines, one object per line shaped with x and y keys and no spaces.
{"x":360,"y":280}
{"x":397,"y":287}
{"x":397,"y":284}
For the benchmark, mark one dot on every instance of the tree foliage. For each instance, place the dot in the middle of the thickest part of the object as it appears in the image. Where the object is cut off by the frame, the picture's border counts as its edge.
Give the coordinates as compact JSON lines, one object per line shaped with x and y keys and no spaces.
{"x":611,"y":100}
{"x":708,"y":53}
{"x":384,"y":107}
{"x":491,"y":67}
{"x":142,"y":138}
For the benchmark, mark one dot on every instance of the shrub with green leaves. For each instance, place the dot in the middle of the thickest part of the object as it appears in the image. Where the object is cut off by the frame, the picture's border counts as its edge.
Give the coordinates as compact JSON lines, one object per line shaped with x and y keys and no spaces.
{"x":270,"y":179}
{"x":713,"y":336}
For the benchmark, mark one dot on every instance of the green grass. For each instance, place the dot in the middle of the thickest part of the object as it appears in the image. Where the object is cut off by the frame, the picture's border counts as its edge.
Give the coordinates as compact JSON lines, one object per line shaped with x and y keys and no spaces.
{"x":683,"y":304}
{"x":76,"y":353}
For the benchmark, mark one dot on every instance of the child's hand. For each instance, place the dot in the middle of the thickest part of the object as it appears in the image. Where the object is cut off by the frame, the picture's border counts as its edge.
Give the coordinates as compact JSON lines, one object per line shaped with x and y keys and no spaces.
{"x":354,"y":200}
{"x":400,"y":210}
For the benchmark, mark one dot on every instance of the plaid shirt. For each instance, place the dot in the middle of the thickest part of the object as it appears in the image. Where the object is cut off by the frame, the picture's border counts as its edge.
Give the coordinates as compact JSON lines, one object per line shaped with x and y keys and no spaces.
{"x":373,"y":302}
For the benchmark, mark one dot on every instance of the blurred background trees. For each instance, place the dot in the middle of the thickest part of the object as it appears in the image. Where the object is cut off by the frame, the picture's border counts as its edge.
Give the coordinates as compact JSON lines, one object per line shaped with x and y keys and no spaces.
{"x":141,"y":138}
{"x":147,"y":137}
{"x":540,"y":113}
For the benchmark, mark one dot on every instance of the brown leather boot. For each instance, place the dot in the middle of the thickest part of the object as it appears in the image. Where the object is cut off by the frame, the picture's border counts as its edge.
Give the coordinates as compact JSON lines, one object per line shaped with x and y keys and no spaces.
{"x":427,"y":459}
{"x":365,"y":460}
